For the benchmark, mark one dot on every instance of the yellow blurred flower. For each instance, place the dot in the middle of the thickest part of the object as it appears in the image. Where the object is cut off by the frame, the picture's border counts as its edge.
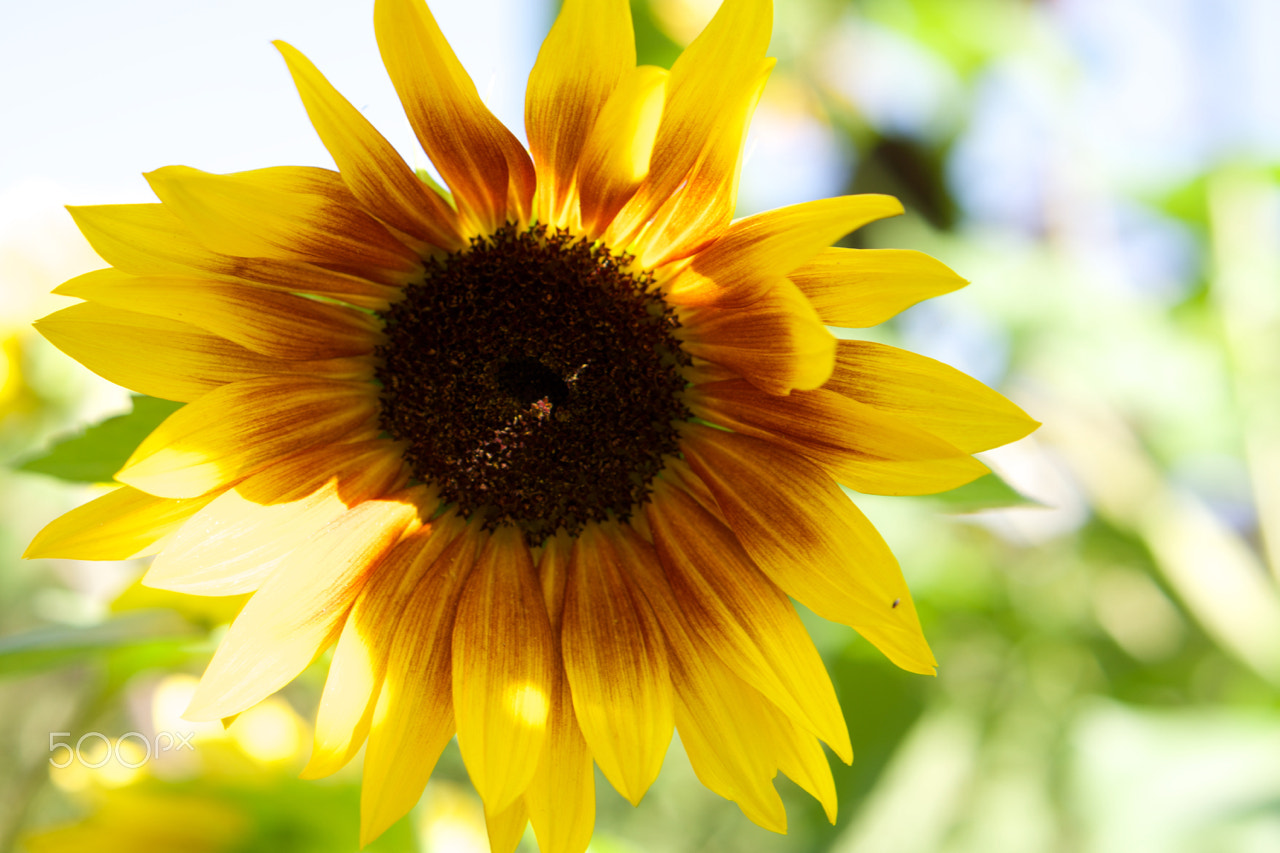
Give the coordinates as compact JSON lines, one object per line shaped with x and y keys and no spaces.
{"x":128,"y":821}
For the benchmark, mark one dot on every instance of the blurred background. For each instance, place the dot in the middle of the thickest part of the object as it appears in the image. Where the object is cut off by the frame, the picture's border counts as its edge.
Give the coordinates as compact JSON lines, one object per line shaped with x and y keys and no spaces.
{"x":1103,"y":171}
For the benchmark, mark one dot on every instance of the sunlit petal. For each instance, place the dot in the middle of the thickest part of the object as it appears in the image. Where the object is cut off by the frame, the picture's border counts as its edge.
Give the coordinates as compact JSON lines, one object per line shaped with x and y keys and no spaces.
{"x":236,"y":429}
{"x":616,"y":661}
{"x":864,"y":448}
{"x":122,"y":524}
{"x":747,"y":620}
{"x":502,"y":675}
{"x":587,"y":53}
{"x":828,"y":558}
{"x":928,"y":394}
{"x":296,"y":614}
{"x":372,"y":170}
{"x":864,"y":287}
{"x":413,"y":719}
{"x":483,"y":163}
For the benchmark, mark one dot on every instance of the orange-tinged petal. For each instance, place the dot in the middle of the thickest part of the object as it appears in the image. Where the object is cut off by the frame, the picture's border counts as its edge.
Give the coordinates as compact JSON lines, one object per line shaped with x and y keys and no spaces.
{"x":506,"y":828}
{"x":148,"y":239}
{"x":810,"y":539}
{"x":928,"y":394}
{"x":701,"y":208}
{"x":120,"y":525}
{"x":359,"y":661}
{"x":746,"y":261}
{"x":232,"y":545}
{"x":414,"y":720}
{"x":491,"y":176}
{"x":863,"y":287}
{"x":691,"y":189}
{"x":371,"y":168}
{"x":615,"y":158}
{"x":502,"y":672}
{"x":280,"y":325}
{"x":238,"y":428}
{"x":617,"y":666}
{"x":716,"y":713}
{"x":297,"y":611}
{"x":778,"y":343}
{"x":866,"y":449}
{"x":289,"y":213}
{"x":561,"y":798}
{"x":679,"y":473}
{"x":590,"y":48}
{"x":742,"y":615}
{"x":553,"y":575}
{"x":154,"y":355}
{"x":739,"y":737}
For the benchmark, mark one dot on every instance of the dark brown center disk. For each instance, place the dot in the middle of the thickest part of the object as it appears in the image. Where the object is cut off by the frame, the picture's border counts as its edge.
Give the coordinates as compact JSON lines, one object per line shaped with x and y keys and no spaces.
{"x":535,"y":379}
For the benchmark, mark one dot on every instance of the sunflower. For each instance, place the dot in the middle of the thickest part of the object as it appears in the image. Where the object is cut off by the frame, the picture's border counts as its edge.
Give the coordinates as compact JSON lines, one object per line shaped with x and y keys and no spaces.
{"x":544,"y":457}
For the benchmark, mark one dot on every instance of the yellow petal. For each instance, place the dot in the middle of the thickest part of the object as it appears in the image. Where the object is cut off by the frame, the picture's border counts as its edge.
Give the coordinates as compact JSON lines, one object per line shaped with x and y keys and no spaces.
{"x":289,"y":213}
{"x":617,"y":666}
{"x":488,"y":170}
{"x":615,"y":158}
{"x":506,"y":827}
{"x":701,"y":209}
{"x":148,"y":239}
{"x":502,"y":670}
{"x":717,"y":719}
{"x":800,"y":756}
{"x":864,"y":448}
{"x":236,"y":542}
{"x":359,"y":661}
{"x":297,"y":611}
{"x":928,"y":394}
{"x":691,"y":189}
{"x":777,"y":343}
{"x":561,"y":798}
{"x":371,"y":168}
{"x":144,"y":239}
{"x":414,"y":720}
{"x":120,"y":525}
{"x":746,"y":261}
{"x":717,"y":730}
{"x":153,"y":355}
{"x":269,"y":322}
{"x":810,"y":539}
{"x":236,"y":429}
{"x":863,"y":287}
{"x":553,"y":575}
{"x":742,"y":615}
{"x":590,"y":48}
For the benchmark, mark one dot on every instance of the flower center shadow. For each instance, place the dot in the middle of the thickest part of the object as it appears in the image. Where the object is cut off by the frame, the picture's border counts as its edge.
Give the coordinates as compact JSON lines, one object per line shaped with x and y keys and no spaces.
{"x":535,"y":378}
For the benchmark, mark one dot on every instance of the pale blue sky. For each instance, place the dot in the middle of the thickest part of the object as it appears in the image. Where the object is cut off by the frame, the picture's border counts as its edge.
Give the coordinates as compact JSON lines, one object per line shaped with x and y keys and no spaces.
{"x":93,"y":93}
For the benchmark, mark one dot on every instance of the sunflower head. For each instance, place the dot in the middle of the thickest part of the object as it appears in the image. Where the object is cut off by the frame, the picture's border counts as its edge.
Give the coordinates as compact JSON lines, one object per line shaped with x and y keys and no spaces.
{"x":544,"y":458}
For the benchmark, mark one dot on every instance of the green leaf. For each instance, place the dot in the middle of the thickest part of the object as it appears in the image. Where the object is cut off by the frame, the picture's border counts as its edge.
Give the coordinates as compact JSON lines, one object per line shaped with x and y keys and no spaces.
{"x":95,"y":455}
{"x":989,"y":491}
{"x":46,"y":648}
